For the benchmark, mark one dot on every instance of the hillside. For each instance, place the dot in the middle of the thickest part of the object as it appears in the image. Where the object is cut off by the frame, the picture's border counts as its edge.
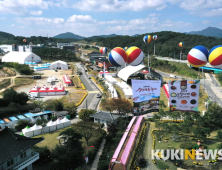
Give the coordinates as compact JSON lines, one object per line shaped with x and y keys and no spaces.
{"x":210,"y":31}
{"x":69,"y":35}
{"x":166,"y":44}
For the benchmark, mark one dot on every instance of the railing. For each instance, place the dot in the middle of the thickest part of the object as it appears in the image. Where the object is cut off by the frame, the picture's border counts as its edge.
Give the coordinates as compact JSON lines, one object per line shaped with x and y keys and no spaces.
{"x":24,"y":163}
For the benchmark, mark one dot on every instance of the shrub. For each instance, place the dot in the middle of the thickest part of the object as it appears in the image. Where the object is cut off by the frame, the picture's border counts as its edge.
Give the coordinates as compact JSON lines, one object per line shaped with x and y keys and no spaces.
{"x":151,"y":119}
{"x":161,"y":165}
{"x":22,"y":124}
{"x":187,"y":145}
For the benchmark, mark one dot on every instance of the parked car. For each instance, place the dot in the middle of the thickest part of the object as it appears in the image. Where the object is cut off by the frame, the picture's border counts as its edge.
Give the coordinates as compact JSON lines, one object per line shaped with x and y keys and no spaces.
{"x":80,"y":73}
{"x":98,"y":95}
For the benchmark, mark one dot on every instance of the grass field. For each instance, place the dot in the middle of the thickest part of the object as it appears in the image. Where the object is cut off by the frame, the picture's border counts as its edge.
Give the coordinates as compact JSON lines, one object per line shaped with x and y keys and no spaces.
{"x":119,"y":92}
{"x":5,"y":83}
{"x":23,"y":81}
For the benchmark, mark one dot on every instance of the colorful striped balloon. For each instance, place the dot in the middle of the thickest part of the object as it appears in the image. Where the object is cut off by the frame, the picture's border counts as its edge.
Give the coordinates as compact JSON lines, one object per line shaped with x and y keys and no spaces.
{"x":197,"y":56}
{"x":103,"y":50}
{"x":117,"y":56}
{"x":215,"y":56}
{"x":125,"y":48}
{"x":24,"y":40}
{"x":155,"y":37}
{"x":135,"y":56}
{"x":181,"y":44}
{"x":147,"y":39}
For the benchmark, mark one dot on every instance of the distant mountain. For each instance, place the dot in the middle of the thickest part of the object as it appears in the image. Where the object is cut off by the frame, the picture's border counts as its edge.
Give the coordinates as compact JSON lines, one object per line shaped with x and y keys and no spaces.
{"x":209,"y":31}
{"x":69,"y":35}
{"x":135,"y":35}
{"x":104,"y":36}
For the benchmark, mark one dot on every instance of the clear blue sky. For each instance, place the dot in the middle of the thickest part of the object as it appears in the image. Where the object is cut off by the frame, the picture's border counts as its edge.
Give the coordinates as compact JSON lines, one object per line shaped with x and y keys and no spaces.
{"x":103,"y":17}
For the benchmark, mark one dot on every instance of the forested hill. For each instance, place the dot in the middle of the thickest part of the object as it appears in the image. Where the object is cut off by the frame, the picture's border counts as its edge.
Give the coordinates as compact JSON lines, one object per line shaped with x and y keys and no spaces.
{"x":166,"y":44}
{"x":5,"y":36}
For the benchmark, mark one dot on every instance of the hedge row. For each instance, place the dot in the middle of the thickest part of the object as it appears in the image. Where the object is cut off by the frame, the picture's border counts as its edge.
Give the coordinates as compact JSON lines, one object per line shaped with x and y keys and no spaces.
{"x":93,"y":152}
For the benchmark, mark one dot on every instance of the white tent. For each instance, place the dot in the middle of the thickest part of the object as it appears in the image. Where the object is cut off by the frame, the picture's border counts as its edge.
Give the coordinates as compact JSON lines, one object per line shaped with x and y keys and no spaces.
{"x":51,"y":125}
{"x":45,"y":129}
{"x":28,"y":132}
{"x":37,"y":129}
{"x":59,"y":124}
{"x":50,"y":79}
{"x":60,"y":65}
{"x":66,"y":122}
{"x":20,"y":57}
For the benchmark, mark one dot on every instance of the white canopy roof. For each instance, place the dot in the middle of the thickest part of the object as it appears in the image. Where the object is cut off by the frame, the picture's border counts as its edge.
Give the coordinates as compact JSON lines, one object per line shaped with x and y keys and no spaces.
{"x":129,"y":70}
{"x":65,"y":120}
{"x":51,"y":123}
{"x":20,"y":57}
{"x":58,"y":121}
{"x":35,"y":127}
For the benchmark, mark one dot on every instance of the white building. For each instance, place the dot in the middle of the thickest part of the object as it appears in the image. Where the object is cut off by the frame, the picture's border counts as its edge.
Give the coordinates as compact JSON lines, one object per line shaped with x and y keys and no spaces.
{"x":21,"y":57}
{"x":16,"y":152}
{"x":60,"y":45}
{"x":7,"y":48}
{"x":60,"y":65}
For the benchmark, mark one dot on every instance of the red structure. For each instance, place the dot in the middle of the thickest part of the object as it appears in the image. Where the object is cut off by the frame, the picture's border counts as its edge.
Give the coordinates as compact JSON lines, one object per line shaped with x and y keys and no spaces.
{"x":67,"y":80}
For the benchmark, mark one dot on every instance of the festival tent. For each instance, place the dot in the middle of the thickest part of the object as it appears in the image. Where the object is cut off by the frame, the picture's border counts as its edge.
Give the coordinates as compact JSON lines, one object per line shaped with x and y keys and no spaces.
{"x":59,"y":124}
{"x":67,"y":80}
{"x":60,"y":90}
{"x":51,"y":91}
{"x":43,"y":91}
{"x":28,"y":132}
{"x":45,"y":129}
{"x":60,"y":65}
{"x":66,"y":122}
{"x":51,"y":125}
{"x":34,"y":89}
{"x":37,"y":129}
{"x":50,"y":79}
{"x":21,"y":57}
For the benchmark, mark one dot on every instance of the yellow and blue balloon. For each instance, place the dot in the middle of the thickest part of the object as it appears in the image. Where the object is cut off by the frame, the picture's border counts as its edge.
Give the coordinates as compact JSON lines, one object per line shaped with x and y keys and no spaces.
{"x":181,"y":44}
{"x":135,"y":56}
{"x":147,"y":39}
{"x":215,"y":56}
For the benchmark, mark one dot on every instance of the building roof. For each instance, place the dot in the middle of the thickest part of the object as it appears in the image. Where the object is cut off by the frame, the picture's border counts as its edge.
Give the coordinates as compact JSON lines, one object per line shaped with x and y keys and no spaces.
{"x":96,"y":54}
{"x":102,"y":115}
{"x":12,"y":144}
{"x":20,"y":57}
{"x":125,"y":73}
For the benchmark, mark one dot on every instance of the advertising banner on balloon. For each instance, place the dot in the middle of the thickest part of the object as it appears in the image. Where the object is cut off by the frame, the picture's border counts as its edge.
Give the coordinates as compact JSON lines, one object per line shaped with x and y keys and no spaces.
{"x":184,"y":95}
{"x":146,"y":94}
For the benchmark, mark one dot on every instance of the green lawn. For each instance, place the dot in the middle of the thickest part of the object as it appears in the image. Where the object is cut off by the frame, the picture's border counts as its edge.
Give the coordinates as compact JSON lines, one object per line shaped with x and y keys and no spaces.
{"x":5,"y":83}
{"x":23,"y":81}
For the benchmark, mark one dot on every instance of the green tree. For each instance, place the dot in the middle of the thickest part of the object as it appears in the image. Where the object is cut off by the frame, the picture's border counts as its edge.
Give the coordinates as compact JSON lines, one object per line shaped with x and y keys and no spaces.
{"x":85,"y":113}
{"x":71,"y":108}
{"x":53,"y":104}
{"x":219,"y":135}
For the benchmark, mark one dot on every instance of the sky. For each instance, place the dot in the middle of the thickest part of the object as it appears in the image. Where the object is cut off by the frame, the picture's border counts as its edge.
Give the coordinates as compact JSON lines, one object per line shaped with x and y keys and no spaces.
{"x":103,"y":17}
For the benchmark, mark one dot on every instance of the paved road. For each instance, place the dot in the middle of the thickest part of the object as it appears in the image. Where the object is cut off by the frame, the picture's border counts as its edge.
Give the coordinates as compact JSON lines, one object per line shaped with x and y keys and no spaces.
{"x":91,"y":101}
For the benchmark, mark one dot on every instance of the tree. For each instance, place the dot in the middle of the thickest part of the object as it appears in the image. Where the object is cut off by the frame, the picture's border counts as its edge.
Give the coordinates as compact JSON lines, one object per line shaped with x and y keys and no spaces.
{"x":87,"y":129}
{"x":111,"y":129}
{"x":219,"y":135}
{"x":85,"y":113}
{"x":71,"y":108}
{"x":21,"y":124}
{"x":53,"y":104}
{"x":71,"y":154}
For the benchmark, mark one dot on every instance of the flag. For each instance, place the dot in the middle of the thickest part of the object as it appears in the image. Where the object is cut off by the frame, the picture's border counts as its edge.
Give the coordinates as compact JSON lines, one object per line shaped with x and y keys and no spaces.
{"x":104,"y":64}
{"x":87,"y":159}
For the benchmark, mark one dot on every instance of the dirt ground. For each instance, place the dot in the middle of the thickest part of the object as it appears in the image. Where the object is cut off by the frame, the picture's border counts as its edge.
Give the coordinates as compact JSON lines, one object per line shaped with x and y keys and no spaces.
{"x":40,"y":82}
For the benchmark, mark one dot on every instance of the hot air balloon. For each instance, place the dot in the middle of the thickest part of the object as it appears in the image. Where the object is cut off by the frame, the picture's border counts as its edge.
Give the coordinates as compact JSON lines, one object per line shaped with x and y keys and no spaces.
{"x":125,"y":48}
{"x":215,"y":56}
{"x":24,"y":40}
{"x":103,"y":50}
{"x":117,"y":56}
{"x":197,"y":56}
{"x":181,"y":44}
{"x":135,"y":56}
{"x":147,"y":39}
{"x":155,"y":37}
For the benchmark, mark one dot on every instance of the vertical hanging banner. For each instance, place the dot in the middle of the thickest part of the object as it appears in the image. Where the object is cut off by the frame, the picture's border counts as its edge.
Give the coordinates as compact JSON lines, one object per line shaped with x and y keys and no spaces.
{"x":184,"y":95}
{"x":146,"y":94}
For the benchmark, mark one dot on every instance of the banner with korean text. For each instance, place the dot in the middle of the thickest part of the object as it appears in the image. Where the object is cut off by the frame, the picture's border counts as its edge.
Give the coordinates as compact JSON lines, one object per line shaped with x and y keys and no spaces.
{"x":184,"y":95}
{"x":146,"y":94}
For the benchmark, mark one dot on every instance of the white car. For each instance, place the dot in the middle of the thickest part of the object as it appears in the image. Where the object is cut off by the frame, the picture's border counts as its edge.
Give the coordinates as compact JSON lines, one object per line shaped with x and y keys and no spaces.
{"x":173,"y":76}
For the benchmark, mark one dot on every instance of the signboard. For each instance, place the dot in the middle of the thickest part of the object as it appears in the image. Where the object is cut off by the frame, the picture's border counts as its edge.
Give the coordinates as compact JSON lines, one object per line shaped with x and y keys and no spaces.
{"x":146,"y":94}
{"x":184,"y":95}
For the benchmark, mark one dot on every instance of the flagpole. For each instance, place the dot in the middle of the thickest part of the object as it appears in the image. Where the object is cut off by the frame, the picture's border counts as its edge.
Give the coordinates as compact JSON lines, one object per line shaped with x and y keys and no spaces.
{"x":154,"y":50}
{"x":148,"y":61}
{"x":104,"y":69}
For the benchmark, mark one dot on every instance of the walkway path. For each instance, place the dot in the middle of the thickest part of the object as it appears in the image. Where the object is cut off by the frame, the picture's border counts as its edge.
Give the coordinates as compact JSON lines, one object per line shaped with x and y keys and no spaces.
{"x":96,"y":160}
{"x":148,"y":148}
